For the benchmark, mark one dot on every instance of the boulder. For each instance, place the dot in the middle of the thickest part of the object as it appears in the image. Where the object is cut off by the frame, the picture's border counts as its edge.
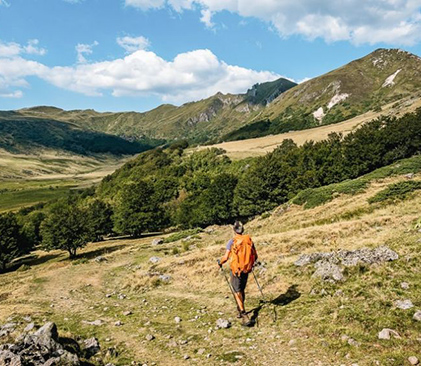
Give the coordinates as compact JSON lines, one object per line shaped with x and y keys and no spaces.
{"x":328,"y":271}
{"x":158,"y":241}
{"x":413,"y":360}
{"x":223,"y":323}
{"x":387,"y":333}
{"x":404,"y":304}
{"x":417,"y":316}
{"x":91,"y":347}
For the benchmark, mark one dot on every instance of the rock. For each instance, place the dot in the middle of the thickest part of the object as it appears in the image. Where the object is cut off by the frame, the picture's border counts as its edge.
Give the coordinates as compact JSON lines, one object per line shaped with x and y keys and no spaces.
{"x":387,"y":333}
{"x":328,"y":271}
{"x":177,"y":319}
{"x":47,"y":330}
{"x":350,"y":257}
{"x":97,"y":322}
{"x":186,"y":357}
{"x":165,"y":278}
{"x":223,"y":323}
{"x":108,"y":295}
{"x":154,"y":259}
{"x":353,"y":342}
{"x":404,"y":304}
{"x":100,"y":259}
{"x":29,"y":327}
{"x":158,"y":241}
{"x":201,"y":351}
{"x":91,"y":347}
{"x":118,"y":323}
{"x":127,"y":313}
{"x":9,"y":358}
{"x":405,"y":285}
{"x":409,"y":176}
{"x":150,"y":337}
{"x":413,"y":360}
{"x":292,"y":342}
{"x":417,"y":316}
{"x":121,"y":296}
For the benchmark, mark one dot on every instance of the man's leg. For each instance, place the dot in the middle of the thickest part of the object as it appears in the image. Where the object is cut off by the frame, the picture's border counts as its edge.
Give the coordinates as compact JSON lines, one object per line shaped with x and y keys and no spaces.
{"x":240,"y":301}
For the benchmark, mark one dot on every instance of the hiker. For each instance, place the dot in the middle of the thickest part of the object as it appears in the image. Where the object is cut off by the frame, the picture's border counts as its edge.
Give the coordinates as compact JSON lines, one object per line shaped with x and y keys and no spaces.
{"x":243,"y":255}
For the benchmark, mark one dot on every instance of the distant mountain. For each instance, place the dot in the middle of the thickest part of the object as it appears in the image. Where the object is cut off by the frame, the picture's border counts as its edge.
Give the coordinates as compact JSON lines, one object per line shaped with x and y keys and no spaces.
{"x":199,"y":121}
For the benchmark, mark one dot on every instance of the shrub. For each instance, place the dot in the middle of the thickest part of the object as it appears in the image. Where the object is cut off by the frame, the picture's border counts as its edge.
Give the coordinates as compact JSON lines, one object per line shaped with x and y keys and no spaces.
{"x":396,"y":192}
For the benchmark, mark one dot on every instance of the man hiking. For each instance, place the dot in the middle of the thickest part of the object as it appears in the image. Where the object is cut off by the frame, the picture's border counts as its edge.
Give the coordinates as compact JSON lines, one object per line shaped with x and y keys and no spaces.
{"x":243,"y":255}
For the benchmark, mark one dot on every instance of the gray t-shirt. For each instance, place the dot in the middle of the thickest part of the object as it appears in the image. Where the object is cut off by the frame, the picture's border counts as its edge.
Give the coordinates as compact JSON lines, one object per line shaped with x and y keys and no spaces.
{"x":229,"y":244}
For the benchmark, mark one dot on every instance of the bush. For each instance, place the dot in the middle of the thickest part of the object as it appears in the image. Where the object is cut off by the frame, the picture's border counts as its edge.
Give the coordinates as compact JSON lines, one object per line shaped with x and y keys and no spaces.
{"x":396,"y":192}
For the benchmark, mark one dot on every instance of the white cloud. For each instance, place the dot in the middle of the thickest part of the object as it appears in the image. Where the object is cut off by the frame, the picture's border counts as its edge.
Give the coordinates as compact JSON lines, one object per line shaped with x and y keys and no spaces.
{"x":15,"y":49}
{"x":132,"y":44}
{"x":83,"y":50}
{"x":4,"y":3}
{"x":145,"y":4}
{"x":189,"y":76}
{"x":396,"y":22}
{"x":16,"y":94}
{"x":207,"y":18}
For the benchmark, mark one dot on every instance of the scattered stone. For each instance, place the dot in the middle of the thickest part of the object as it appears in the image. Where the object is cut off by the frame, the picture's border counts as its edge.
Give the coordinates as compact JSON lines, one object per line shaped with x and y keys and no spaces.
{"x":405,"y":285}
{"x":177,"y":319}
{"x":154,"y":259}
{"x":127,"y":313}
{"x":165,"y":278}
{"x":186,"y":357}
{"x":201,"y":351}
{"x":118,"y":323}
{"x":404,"y":304}
{"x":387,"y":333}
{"x":108,"y":295}
{"x":417,"y":316}
{"x":344,"y":338}
{"x":292,"y":342}
{"x":409,"y":176}
{"x":183,"y":342}
{"x":223,"y":323}
{"x":353,"y":342}
{"x":150,"y":337}
{"x":100,"y":259}
{"x":158,"y":241}
{"x":92,"y":347}
{"x":339,"y":293}
{"x":413,"y":360}
{"x":28,"y":319}
{"x":121,"y":296}
{"x":97,"y":322}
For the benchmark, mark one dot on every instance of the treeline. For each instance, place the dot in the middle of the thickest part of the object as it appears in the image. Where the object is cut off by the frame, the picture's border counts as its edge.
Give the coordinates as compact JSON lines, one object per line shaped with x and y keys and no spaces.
{"x":166,"y":188}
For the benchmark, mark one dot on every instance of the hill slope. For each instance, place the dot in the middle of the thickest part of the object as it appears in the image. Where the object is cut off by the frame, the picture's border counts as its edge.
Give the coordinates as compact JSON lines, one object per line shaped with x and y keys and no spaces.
{"x":307,"y":322}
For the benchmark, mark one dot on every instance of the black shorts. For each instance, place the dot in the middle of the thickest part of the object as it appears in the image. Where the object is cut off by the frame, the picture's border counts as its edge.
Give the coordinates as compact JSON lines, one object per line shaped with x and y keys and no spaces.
{"x":239,"y":283}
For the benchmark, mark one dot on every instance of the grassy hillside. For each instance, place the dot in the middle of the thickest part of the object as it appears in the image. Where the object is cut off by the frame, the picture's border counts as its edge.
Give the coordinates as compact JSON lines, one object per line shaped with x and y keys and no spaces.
{"x":307,"y":321}
{"x":25,"y":134}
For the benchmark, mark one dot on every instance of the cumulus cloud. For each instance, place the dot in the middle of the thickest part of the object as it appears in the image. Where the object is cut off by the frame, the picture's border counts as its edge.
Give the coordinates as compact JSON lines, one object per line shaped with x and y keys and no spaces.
{"x":132,"y":44}
{"x":189,"y":76}
{"x":83,"y":50}
{"x":16,"y":94}
{"x":396,"y":22}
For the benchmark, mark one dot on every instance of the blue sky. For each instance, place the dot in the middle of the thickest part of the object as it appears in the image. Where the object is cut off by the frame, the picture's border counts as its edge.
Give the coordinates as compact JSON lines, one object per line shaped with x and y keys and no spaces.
{"x":117,"y":55}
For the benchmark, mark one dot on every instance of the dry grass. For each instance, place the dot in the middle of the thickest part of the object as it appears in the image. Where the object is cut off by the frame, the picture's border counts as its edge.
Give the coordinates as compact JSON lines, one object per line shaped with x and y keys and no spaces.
{"x":260,"y":146}
{"x":199,"y":295}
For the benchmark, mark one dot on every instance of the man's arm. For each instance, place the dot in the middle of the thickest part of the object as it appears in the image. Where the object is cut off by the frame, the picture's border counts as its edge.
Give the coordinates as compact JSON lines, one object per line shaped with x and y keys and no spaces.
{"x":225,"y":257}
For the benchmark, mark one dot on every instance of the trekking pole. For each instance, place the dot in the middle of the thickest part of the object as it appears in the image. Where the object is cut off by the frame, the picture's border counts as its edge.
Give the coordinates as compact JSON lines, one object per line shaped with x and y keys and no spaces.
{"x":275,"y":316}
{"x":228,"y":282}
{"x":258,"y":286}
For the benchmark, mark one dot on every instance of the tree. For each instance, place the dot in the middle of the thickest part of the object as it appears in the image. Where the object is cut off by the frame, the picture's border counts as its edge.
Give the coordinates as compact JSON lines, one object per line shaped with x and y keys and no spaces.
{"x":139,"y":210}
{"x":99,"y":219}
{"x":12,"y":244}
{"x":65,"y":227}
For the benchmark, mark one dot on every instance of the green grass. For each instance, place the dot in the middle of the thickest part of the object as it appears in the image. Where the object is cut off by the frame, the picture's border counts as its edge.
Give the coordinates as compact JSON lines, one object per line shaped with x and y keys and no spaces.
{"x":181,"y":235}
{"x":14,"y":199}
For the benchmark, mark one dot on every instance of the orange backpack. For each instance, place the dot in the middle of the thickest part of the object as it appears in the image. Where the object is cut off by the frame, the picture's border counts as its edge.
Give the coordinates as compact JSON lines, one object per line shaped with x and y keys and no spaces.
{"x":243,"y":255}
